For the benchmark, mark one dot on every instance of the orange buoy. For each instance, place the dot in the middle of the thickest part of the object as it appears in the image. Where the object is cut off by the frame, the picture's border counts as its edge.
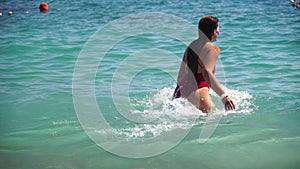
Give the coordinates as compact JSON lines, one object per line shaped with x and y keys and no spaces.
{"x":44,"y":7}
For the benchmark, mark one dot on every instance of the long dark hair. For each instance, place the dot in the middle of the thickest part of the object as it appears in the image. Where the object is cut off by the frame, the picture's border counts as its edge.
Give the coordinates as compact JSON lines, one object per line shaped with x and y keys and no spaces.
{"x":207,"y":25}
{"x":192,"y":63}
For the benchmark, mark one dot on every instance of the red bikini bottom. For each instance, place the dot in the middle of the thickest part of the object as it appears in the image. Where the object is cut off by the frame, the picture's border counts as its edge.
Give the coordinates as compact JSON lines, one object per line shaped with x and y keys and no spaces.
{"x":181,"y":90}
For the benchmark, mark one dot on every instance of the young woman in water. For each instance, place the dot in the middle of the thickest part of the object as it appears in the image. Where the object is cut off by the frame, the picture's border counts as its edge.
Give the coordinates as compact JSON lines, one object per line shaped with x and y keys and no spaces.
{"x":196,"y":73}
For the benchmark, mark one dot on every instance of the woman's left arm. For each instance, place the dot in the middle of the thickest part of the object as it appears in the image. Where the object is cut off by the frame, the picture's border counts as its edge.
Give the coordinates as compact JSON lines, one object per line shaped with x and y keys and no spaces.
{"x":209,"y":64}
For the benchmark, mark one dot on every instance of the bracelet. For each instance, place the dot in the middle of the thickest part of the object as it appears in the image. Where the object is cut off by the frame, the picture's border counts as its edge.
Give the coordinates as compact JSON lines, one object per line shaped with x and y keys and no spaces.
{"x":223,"y":96}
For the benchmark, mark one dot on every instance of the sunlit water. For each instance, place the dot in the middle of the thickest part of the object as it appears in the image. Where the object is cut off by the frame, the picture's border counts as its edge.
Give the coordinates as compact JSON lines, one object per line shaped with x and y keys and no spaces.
{"x":258,"y":66}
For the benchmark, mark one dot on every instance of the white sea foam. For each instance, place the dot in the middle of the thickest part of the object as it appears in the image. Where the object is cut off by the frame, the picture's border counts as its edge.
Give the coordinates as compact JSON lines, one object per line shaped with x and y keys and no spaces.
{"x":243,"y":102}
{"x":179,"y":113}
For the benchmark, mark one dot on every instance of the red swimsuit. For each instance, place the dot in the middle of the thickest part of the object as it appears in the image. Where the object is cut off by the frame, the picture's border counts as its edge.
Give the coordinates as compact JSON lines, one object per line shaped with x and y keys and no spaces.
{"x":200,"y":82}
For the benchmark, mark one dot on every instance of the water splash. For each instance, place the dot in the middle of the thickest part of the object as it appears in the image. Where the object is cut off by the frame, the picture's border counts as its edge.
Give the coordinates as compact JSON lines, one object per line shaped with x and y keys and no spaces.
{"x":242,"y":100}
{"x":178,"y":113}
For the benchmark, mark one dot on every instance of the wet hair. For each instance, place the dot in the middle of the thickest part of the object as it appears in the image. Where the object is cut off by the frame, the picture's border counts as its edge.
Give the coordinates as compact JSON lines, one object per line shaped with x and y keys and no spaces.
{"x":192,"y":63}
{"x":207,"y":25}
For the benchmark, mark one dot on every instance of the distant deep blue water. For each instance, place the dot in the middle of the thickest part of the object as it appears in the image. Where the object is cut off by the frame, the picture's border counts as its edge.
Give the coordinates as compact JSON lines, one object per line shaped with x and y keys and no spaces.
{"x":259,"y":42}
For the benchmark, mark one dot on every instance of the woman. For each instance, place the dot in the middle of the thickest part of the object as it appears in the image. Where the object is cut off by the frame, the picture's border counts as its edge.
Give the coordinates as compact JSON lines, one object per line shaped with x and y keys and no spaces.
{"x":196,"y":74}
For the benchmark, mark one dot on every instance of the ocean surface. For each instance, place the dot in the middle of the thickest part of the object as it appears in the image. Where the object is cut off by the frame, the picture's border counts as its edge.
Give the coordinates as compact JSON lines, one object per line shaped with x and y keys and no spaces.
{"x":120,"y":59}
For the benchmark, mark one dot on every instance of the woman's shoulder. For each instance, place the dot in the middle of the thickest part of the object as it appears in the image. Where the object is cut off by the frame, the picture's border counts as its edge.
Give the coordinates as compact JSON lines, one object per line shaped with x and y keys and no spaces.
{"x":211,"y":46}
{"x":217,"y":49}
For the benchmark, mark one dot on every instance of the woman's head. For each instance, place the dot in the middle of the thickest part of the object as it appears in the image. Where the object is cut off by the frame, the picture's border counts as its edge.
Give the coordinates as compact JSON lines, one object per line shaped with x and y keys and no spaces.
{"x":209,"y":25}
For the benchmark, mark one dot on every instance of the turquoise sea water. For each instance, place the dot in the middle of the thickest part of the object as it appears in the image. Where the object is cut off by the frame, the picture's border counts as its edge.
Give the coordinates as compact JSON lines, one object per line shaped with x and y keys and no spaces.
{"x":259,"y":42}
